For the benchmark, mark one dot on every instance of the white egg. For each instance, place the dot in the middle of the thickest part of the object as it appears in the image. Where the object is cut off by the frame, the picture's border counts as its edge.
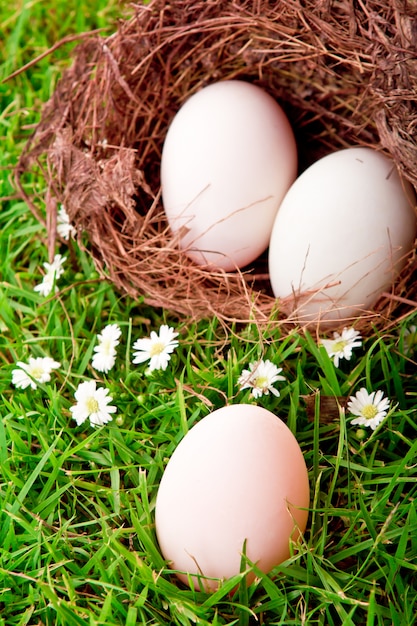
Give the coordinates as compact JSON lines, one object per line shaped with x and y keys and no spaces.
{"x":228,"y":159}
{"x":341,"y":236}
{"x":236,"y":483}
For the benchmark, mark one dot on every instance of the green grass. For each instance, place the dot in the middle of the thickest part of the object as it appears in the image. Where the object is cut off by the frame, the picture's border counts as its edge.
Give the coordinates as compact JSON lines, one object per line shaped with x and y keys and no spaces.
{"x":77,"y":537}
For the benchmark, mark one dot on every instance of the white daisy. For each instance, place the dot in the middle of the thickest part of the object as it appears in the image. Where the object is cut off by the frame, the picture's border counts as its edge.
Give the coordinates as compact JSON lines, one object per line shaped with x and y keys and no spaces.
{"x":105,"y":352}
{"x":92,"y":402}
{"x":371,"y":408}
{"x":156,"y":348}
{"x":260,"y":377}
{"x":341,"y":346}
{"x":36,"y":370}
{"x":64,"y":227}
{"x":53,"y":271}
{"x":410,"y":339}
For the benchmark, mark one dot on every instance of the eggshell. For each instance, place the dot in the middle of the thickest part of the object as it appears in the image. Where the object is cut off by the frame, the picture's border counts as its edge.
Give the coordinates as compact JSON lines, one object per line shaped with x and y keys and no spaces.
{"x":227,"y":161}
{"x":341,"y":236}
{"x":238,"y":474}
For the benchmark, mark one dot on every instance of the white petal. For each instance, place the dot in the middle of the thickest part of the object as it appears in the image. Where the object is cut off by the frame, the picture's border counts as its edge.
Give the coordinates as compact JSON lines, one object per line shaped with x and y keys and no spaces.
{"x":103,"y":362}
{"x":21,"y":380}
{"x":140,"y":357}
{"x":79,"y":413}
{"x":360,"y":421}
{"x":85,"y":389}
{"x":110,"y":332}
{"x":100,"y":418}
{"x":143,"y":344}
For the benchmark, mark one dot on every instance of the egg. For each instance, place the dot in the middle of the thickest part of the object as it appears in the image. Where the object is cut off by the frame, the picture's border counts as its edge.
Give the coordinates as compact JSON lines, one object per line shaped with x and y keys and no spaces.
{"x":237,"y":482}
{"x":341,"y":236}
{"x":228,"y":159}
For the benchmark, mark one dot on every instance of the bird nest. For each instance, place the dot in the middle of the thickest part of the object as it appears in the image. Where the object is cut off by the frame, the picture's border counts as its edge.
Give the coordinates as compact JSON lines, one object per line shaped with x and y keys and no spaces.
{"x":345,"y":73}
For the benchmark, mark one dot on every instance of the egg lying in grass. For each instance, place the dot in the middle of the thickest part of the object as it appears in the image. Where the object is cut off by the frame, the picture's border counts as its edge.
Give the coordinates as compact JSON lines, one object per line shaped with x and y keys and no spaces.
{"x":227,"y":161}
{"x":236,"y":483}
{"x":341,"y":236}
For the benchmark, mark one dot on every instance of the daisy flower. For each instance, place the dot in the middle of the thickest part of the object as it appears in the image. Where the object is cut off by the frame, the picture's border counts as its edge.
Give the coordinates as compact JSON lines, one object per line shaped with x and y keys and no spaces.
{"x":64,"y":227}
{"x":370,"y":408}
{"x":105,"y":352}
{"x":410,"y":339}
{"x":92,"y":402}
{"x":341,"y":346}
{"x":53,"y":271}
{"x":157,"y":348}
{"x":260,"y":377}
{"x":36,"y":370}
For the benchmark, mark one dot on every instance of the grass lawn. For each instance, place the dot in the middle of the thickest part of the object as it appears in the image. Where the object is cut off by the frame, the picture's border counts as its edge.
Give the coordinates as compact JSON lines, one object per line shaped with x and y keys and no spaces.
{"x":77,"y":536}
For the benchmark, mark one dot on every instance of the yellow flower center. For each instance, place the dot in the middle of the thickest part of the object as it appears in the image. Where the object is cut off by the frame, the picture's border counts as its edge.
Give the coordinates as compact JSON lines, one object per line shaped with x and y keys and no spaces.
{"x":340,"y":345}
{"x":261,"y":382}
{"x":92,"y":405}
{"x":106,"y":346}
{"x":37,"y":372}
{"x":157,"y":348}
{"x":369,"y":411}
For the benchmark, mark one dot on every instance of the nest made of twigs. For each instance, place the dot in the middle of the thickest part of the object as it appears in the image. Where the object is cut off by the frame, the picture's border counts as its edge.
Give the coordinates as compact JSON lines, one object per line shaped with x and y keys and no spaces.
{"x":344,"y":72}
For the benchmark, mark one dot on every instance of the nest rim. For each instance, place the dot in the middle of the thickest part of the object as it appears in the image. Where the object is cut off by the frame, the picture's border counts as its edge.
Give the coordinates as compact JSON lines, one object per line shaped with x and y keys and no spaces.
{"x":105,"y":180}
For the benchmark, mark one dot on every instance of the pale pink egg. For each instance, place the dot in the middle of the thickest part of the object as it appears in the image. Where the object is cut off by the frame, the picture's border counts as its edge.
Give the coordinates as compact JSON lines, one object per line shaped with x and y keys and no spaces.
{"x":228,"y":159}
{"x":341,"y":237}
{"x":238,"y":480}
